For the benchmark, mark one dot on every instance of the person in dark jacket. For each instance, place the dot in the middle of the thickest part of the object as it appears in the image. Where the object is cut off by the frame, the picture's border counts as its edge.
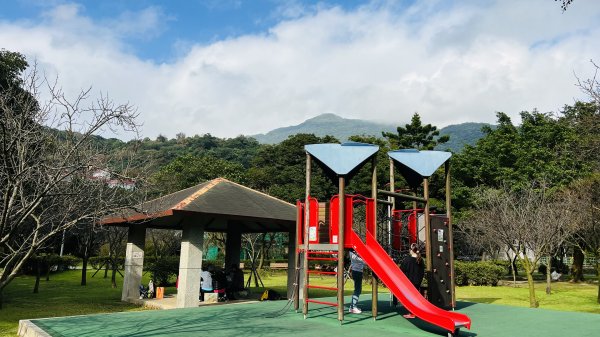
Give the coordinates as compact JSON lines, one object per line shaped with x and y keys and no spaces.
{"x":414,"y":269}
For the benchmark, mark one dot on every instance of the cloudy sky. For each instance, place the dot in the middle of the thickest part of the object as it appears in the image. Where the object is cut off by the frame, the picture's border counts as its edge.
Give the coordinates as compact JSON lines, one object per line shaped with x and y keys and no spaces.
{"x":230,"y":67}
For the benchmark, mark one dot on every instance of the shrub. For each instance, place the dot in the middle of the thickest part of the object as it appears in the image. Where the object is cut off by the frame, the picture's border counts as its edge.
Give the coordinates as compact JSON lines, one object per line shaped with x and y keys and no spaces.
{"x":542,"y":269}
{"x":477,"y":273}
{"x":67,"y":262}
{"x":51,"y":262}
{"x":163,"y":268}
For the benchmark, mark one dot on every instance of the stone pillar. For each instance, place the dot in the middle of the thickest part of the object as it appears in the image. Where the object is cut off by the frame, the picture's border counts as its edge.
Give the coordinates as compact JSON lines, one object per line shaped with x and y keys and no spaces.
{"x":291,"y":273}
{"x":190,"y":263}
{"x":134,"y":262}
{"x":233,"y":247}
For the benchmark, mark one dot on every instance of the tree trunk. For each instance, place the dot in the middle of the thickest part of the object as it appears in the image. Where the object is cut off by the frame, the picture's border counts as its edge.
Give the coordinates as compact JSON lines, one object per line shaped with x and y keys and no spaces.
{"x":530,"y":269}
{"x":84,"y":271}
{"x":36,"y":287}
{"x":48,"y":271}
{"x":113,"y":277}
{"x":548,"y":276}
{"x":514,"y":266}
{"x":513,"y":270}
{"x":533,"y":303}
{"x":106,"y":269}
{"x":261,"y":258}
{"x":1,"y":289}
{"x":577,"y":267}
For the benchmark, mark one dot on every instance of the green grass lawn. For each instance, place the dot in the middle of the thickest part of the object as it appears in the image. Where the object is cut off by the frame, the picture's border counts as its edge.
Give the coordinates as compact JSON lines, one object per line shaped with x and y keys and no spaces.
{"x":63,"y":296}
{"x":565,"y":296}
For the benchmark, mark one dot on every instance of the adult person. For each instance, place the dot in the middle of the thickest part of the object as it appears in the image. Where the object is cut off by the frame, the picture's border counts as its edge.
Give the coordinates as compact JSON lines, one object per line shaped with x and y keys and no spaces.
{"x":235,"y":281}
{"x":414,"y":269}
{"x":206,"y":283}
{"x":356,"y":268}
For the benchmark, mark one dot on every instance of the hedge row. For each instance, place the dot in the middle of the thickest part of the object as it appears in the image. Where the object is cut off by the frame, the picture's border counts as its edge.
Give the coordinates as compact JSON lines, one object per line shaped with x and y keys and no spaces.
{"x":50,"y":262}
{"x":478,"y":273}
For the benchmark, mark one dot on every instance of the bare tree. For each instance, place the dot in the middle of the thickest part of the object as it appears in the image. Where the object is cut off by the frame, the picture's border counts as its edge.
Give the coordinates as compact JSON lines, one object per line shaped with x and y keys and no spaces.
{"x":165,"y":242}
{"x":584,"y":199}
{"x":528,"y":222}
{"x":252,"y":243}
{"x":47,"y":161}
{"x":115,"y":239}
{"x":591,"y":86}
{"x":88,"y":237}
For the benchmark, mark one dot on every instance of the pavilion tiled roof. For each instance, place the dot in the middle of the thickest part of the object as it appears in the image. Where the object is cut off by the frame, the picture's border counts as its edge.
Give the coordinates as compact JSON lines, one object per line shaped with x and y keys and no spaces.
{"x":218,"y":199}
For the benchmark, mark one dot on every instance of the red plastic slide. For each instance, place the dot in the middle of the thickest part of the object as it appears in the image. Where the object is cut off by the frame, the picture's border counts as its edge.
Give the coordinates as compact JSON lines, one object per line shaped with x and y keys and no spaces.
{"x":391,"y":275}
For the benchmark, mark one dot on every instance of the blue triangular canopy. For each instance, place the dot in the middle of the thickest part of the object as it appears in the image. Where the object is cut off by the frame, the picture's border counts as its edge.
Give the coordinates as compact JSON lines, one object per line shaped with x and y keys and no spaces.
{"x":342,"y":158}
{"x":423,"y":163}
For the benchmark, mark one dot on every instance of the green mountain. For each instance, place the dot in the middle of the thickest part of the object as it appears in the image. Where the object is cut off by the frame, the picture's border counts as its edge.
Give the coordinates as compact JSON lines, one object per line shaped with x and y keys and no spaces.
{"x":342,"y":128}
{"x":326,"y":124}
{"x":461,"y":135}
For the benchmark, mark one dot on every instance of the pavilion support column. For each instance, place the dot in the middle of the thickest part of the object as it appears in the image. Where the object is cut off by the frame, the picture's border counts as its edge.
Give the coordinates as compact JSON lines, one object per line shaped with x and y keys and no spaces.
{"x":190,"y":263}
{"x":233,"y":247}
{"x":134,"y":262}
{"x":291,"y":272}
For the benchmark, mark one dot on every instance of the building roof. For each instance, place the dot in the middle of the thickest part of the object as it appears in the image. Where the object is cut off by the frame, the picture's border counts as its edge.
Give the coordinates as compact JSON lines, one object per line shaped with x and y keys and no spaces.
{"x":342,"y":159}
{"x":217,"y":204}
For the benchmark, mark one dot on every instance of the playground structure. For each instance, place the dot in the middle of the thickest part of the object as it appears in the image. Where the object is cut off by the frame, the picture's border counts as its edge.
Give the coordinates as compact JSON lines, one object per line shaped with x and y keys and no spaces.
{"x":323,"y":233}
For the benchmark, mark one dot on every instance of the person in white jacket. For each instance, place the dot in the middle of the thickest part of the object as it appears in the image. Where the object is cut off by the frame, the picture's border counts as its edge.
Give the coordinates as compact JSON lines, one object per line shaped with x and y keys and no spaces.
{"x":206,"y":284}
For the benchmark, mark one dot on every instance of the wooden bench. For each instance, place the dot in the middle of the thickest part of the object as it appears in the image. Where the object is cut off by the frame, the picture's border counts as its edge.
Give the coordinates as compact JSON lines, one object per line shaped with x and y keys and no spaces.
{"x":278,"y":265}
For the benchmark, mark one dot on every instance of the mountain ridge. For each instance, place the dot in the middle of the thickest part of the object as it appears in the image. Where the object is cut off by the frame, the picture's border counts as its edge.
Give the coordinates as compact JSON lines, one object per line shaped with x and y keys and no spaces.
{"x":342,"y":128}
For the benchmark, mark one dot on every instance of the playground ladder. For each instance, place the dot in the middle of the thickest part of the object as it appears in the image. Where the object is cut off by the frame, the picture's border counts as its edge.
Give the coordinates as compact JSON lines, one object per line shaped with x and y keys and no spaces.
{"x":313,"y":255}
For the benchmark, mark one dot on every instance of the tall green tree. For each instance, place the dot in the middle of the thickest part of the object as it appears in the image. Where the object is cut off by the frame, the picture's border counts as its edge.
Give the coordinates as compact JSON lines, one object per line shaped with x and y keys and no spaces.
{"x":540,"y":149}
{"x":415,"y":136}
{"x":12,"y":65}
{"x":280,"y":169}
{"x":189,"y":170}
{"x":583,"y":118}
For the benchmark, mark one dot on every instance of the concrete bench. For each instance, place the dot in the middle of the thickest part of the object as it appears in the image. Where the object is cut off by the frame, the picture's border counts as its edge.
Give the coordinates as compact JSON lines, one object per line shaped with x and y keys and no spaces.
{"x":211,"y":298}
{"x":278,"y":265}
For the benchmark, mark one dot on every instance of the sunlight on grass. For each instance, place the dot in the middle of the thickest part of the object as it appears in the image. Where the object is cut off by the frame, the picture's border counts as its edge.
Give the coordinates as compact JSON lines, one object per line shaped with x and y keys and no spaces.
{"x":565,"y":296}
{"x":61,"y":296}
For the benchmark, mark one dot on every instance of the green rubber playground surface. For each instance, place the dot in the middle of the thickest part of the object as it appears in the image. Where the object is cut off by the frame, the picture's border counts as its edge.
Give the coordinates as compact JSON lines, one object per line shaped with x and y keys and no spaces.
{"x":251,"y":319}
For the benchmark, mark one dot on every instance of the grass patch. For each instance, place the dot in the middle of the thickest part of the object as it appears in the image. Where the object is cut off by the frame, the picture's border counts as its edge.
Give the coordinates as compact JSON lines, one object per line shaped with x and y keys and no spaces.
{"x":565,"y":296}
{"x":61,"y":296}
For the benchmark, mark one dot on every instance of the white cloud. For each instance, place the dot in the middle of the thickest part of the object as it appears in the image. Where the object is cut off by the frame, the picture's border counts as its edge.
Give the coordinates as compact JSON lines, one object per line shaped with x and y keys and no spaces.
{"x":451,"y":64}
{"x":145,"y":24}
